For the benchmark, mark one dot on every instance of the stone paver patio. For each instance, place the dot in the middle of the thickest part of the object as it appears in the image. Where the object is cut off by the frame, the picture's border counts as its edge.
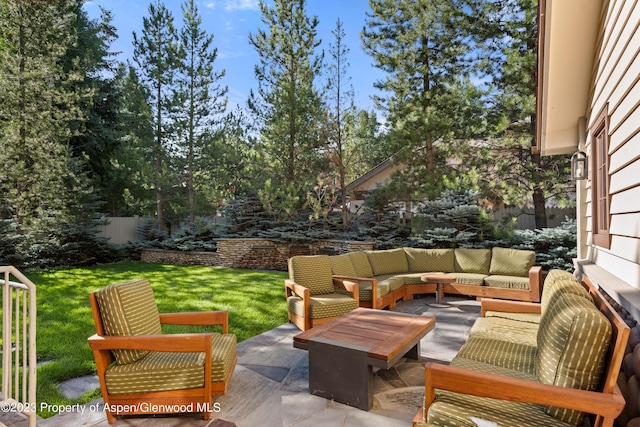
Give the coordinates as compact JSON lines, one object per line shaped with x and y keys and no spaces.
{"x":270,"y":384}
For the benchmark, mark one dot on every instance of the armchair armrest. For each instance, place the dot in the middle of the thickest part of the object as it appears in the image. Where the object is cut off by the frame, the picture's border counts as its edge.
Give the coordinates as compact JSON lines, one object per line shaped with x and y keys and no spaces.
{"x":292,"y":288}
{"x":205,"y":318}
{"x":535,"y":282}
{"x":483,"y":384}
{"x":347,"y":285}
{"x":168,"y":342}
{"x":490,"y":304}
{"x":374,"y":285}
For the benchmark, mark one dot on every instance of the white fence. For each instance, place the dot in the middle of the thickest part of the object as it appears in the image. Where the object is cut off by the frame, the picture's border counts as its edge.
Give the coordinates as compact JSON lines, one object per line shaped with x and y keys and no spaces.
{"x":525,"y":219}
{"x":120,"y":230}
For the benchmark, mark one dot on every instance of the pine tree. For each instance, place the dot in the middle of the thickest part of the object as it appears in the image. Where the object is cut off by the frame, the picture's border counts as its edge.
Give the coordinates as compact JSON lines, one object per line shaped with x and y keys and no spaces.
{"x":287,"y":103}
{"x":340,"y":106}
{"x":428,"y":88}
{"x":156,"y":53}
{"x":507,"y":167}
{"x":46,"y":193}
{"x":201,"y":98}
{"x":133,"y":163}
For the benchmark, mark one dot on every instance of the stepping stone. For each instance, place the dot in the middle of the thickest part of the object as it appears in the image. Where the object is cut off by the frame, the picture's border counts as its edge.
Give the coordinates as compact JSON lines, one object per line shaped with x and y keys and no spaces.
{"x":406,"y":399}
{"x":274,"y":373}
{"x":76,"y":387}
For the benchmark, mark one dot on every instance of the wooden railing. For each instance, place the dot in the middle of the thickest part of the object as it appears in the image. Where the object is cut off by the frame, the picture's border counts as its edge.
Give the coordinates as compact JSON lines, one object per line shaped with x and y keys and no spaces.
{"x":18,"y":343}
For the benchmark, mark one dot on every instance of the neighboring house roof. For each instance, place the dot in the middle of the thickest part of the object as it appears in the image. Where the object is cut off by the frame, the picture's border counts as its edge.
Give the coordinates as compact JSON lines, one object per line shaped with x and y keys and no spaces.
{"x":569,"y":32}
{"x":374,"y":177}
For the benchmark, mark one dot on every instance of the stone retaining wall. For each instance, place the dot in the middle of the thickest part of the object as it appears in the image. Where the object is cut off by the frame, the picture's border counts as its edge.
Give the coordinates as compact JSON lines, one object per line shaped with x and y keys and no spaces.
{"x":254,"y":254}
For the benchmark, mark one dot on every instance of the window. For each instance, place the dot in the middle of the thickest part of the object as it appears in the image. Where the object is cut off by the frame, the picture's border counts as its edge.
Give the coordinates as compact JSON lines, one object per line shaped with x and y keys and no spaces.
{"x":600,"y":181}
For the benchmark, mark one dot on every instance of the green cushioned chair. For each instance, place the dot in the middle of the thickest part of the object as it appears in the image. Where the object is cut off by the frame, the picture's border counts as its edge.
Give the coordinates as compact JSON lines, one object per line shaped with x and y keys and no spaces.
{"x":140,"y":368}
{"x":313,"y":295}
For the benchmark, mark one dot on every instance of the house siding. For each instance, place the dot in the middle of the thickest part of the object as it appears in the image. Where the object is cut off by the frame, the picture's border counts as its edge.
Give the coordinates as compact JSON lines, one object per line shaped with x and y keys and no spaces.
{"x":616,"y":85}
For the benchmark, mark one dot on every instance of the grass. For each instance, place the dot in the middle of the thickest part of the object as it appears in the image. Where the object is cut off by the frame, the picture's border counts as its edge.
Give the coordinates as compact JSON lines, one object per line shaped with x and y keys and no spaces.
{"x":254,"y":299}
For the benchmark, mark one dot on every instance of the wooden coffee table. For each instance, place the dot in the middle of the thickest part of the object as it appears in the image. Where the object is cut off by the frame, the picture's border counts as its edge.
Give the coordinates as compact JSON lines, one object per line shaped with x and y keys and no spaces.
{"x":344,"y":351}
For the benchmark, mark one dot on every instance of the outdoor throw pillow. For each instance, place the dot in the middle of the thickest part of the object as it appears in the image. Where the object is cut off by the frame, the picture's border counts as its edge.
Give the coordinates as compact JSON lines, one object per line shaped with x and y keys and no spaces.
{"x":511,"y":262}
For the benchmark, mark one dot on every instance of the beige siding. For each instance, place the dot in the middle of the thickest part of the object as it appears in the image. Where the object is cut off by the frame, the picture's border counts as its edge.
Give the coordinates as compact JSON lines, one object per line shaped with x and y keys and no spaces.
{"x":617,"y":84}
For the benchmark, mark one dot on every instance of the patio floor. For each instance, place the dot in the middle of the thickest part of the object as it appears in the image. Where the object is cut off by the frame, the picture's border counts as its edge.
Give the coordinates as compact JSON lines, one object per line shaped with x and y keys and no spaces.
{"x":270,"y":384}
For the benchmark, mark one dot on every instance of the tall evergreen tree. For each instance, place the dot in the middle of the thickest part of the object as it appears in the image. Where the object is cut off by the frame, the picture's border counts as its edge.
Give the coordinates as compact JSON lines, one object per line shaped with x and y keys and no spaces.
{"x":507,"y":41}
{"x":287,"y":103}
{"x":340,"y":108}
{"x":41,"y":180}
{"x":132,"y":166}
{"x":201,"y":98}
{"x":156,"y":53}
{"x":427,"y":89}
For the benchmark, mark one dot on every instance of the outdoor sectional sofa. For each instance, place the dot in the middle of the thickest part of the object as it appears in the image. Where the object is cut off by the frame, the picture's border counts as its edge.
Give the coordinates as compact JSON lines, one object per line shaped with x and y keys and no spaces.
{"x":528,"y":364}
{"x":386,"y":276}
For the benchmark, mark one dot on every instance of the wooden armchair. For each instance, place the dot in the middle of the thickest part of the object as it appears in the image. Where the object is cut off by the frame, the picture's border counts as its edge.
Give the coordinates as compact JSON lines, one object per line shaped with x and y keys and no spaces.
{"x":313,"y":295}
{"x":143,"y":371}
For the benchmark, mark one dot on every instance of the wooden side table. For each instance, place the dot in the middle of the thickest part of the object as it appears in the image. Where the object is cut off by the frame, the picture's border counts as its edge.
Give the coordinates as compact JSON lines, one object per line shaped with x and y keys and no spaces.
{"x":439,"y":279}
{"x":344,"y":351}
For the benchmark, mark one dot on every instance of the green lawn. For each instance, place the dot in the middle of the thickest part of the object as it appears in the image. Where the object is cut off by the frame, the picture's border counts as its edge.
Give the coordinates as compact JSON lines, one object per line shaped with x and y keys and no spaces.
{"x":254,"y":299}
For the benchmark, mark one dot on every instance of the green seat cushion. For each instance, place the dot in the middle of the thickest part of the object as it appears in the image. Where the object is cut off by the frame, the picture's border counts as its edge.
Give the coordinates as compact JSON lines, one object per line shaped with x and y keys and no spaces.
{"x":361,"y":264}
{"x":412,"y":278}
{"x":164,"y":371}
{"x":365,"y":292}
{"x":472,"y":260}
{"x":511,"y":262}
{"x":500,"y":328}
{"x":341,"y":265}
{"x":322,"y":306}
{"x":312,"y":272}
{"x":393,"y":281}
{"x":557,"y":274}
{"x":460,"y":410}
{"x":520,"y":317}
{"x":129,"y":309}
{"x":510,"y":282}
{"x":557,"y":283}
{"x":391,"y":261}
{"x":430,"y":260}
{"x":470,"y":278}
{"x":506,"y":354}
{"x":573,"y":339}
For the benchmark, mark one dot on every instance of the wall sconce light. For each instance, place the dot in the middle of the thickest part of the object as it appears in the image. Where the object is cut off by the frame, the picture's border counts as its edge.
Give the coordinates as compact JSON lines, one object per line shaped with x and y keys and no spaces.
{"x":579,"y":166}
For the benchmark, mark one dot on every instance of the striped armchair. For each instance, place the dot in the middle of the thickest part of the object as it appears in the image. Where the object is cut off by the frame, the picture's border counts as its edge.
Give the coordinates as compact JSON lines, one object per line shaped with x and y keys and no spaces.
{"x":313,"y":295}
{"x":140,"y":369}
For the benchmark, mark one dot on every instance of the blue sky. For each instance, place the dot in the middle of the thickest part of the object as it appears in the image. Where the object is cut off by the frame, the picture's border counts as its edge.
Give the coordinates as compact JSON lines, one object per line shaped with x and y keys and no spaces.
{"x":231,"y":22}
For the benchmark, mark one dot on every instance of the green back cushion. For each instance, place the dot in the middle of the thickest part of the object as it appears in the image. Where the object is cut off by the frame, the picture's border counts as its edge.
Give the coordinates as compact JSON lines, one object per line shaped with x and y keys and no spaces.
{"x":573,"y":339}
{"x":312,"y":272}
{"x":557,"y":283}
{"x":511,"y":262}
{"x":361,"y":264}
{"x":389,"y":261}
{"x":472,"y":260}
{"x":341,"y":265}
{"x":429,"y":260}
{"x":129,"y":309}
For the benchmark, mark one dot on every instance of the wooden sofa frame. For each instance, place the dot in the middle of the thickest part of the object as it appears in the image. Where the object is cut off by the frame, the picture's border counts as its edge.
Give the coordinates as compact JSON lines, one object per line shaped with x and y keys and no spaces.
{"x":407,"y":292}
{"x":306,"y":322}
{"x":606,"y":404}
{"x":202,"y":397}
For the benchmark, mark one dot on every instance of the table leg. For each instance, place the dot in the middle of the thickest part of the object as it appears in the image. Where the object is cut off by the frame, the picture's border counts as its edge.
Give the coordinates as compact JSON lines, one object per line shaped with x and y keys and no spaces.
{"x":341,"y":373}
{"x":439,"y":303}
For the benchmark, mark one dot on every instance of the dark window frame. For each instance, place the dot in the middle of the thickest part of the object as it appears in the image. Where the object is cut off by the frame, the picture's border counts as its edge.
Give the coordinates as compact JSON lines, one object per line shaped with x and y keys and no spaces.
{"x":600,"y":197}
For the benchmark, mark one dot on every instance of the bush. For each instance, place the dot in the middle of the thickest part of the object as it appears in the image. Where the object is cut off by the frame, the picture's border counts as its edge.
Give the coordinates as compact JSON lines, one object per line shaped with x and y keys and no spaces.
{"x":555,"y":247}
